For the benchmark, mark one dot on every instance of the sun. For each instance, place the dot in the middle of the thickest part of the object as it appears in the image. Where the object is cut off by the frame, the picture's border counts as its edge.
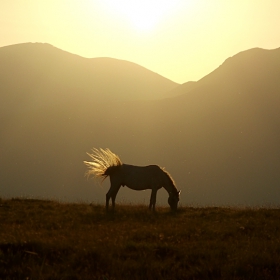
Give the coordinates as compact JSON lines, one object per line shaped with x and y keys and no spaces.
{"x":143,"y":15}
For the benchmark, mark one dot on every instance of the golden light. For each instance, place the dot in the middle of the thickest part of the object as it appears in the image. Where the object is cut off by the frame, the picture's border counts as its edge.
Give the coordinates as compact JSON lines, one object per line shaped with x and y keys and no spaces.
{"x":143,"y":15}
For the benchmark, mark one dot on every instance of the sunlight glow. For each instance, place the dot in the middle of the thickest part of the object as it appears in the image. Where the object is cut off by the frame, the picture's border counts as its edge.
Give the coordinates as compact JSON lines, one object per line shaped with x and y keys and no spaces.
{"x":143,"y":15}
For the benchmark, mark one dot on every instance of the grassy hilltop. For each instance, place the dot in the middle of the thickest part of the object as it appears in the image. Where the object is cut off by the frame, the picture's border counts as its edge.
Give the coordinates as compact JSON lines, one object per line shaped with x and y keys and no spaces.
{"x":49,"y":240}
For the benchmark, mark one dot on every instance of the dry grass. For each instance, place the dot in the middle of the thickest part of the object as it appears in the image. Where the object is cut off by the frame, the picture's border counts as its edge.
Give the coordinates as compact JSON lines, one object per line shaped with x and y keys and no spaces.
{"x":49,"y":240}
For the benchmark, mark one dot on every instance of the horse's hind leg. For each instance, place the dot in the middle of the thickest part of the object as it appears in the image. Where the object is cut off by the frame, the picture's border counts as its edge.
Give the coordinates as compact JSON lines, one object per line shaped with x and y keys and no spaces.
{"x":112,"y":193}
{"x":108,"y":196}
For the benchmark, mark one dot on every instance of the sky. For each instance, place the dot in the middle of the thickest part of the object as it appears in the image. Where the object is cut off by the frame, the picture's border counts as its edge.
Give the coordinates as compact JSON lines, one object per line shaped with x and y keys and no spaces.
{"x":182,"y":40}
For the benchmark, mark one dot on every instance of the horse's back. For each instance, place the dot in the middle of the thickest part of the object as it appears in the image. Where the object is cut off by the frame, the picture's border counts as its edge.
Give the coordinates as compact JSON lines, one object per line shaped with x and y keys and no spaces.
{"x":141,"y":170}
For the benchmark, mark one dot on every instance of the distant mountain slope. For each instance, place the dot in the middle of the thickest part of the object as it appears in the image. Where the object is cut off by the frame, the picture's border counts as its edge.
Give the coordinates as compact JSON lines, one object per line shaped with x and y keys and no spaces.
{"x":252,"y":69}
{"x":229,"y":126}
{"x":42,"y":73}
{"x":219,"y":138}
{"x":182,"y":89}
{"x":248,"y":70}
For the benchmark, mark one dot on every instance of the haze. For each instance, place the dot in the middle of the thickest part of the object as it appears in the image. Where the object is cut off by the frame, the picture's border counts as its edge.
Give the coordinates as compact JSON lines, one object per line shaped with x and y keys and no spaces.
{"x":218,"y":137}
{"x":181,"y":40}
{"x":192,"y":86}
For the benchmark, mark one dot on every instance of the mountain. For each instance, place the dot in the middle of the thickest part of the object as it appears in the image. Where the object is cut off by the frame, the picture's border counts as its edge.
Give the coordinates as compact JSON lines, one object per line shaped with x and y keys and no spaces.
{"x":248,"y":70}
{"x":182,"y":89}
{"x":42,"y":73}
{"x":230,"y":129}
{"x":218,"y":137}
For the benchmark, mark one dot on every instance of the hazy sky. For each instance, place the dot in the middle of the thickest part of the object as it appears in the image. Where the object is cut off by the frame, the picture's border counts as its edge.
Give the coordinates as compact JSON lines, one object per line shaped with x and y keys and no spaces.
{"x":179,"y":39}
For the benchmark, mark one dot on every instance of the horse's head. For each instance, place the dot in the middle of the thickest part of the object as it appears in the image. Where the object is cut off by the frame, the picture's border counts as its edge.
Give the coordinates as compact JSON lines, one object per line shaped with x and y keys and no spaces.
{"x":173,"y":200}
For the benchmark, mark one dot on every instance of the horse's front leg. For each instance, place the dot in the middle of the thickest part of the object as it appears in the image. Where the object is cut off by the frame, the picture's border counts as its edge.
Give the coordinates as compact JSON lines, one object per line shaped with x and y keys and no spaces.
{"x":153,"y":199}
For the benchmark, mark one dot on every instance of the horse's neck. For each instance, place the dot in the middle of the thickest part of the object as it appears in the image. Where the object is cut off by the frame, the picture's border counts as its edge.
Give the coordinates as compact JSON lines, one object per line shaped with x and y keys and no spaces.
{"x":169,"y":187}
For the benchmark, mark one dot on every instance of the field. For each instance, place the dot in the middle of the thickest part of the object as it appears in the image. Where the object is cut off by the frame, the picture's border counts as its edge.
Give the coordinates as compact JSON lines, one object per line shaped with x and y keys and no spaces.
{"x":41,"y":239}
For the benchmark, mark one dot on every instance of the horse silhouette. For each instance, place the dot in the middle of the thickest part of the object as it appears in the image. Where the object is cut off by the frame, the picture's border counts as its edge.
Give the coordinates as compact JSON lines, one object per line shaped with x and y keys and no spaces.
{"x":105,"y":163}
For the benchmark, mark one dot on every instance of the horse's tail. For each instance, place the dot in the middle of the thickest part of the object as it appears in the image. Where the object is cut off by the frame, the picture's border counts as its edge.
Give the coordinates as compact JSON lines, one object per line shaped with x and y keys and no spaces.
{"x":103,"y":163}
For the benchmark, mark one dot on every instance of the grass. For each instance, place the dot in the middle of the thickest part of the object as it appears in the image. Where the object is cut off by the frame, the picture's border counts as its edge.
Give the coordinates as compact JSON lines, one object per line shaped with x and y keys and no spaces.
{"x":42,"y":239}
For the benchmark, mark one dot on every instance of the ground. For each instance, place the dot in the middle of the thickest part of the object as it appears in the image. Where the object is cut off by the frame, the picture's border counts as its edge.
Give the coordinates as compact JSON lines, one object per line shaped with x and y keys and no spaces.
{"x":41,"y":239}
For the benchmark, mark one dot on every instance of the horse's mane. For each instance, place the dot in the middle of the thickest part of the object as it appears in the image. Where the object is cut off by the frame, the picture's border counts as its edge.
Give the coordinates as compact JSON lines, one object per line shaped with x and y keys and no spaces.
{"x":169,"y":178}
{"x":102,"y":159}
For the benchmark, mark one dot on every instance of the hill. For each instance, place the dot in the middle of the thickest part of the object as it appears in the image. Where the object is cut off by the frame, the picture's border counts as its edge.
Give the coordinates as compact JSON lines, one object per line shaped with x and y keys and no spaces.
{"x":41,"y":73}
{"x":252,"y":70}
{"x":219,"y":139}
{"x":230,"y":119}
{"x":50,"y":240}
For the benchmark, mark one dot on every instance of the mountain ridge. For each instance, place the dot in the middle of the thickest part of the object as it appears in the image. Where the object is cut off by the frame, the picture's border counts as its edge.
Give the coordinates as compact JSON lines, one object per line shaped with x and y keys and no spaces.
{"x":42,"y":67}
{"x":264,"y":63}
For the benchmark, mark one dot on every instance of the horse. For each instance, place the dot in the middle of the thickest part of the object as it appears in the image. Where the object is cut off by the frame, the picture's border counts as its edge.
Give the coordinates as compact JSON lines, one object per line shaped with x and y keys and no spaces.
{"x":105,"y":163}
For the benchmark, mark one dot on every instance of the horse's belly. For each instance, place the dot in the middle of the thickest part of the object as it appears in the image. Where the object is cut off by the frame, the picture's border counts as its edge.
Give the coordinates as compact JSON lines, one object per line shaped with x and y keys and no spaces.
{"x":137,"y":186}
{"x":136,"y":183}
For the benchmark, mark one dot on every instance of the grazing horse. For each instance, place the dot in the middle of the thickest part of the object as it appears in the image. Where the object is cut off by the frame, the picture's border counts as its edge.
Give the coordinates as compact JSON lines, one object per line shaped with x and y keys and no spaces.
{"x":105,"y":163}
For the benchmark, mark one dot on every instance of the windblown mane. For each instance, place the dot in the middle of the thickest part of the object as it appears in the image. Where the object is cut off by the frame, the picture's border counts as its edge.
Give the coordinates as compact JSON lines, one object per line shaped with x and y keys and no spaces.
{"x":101,"y":161}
